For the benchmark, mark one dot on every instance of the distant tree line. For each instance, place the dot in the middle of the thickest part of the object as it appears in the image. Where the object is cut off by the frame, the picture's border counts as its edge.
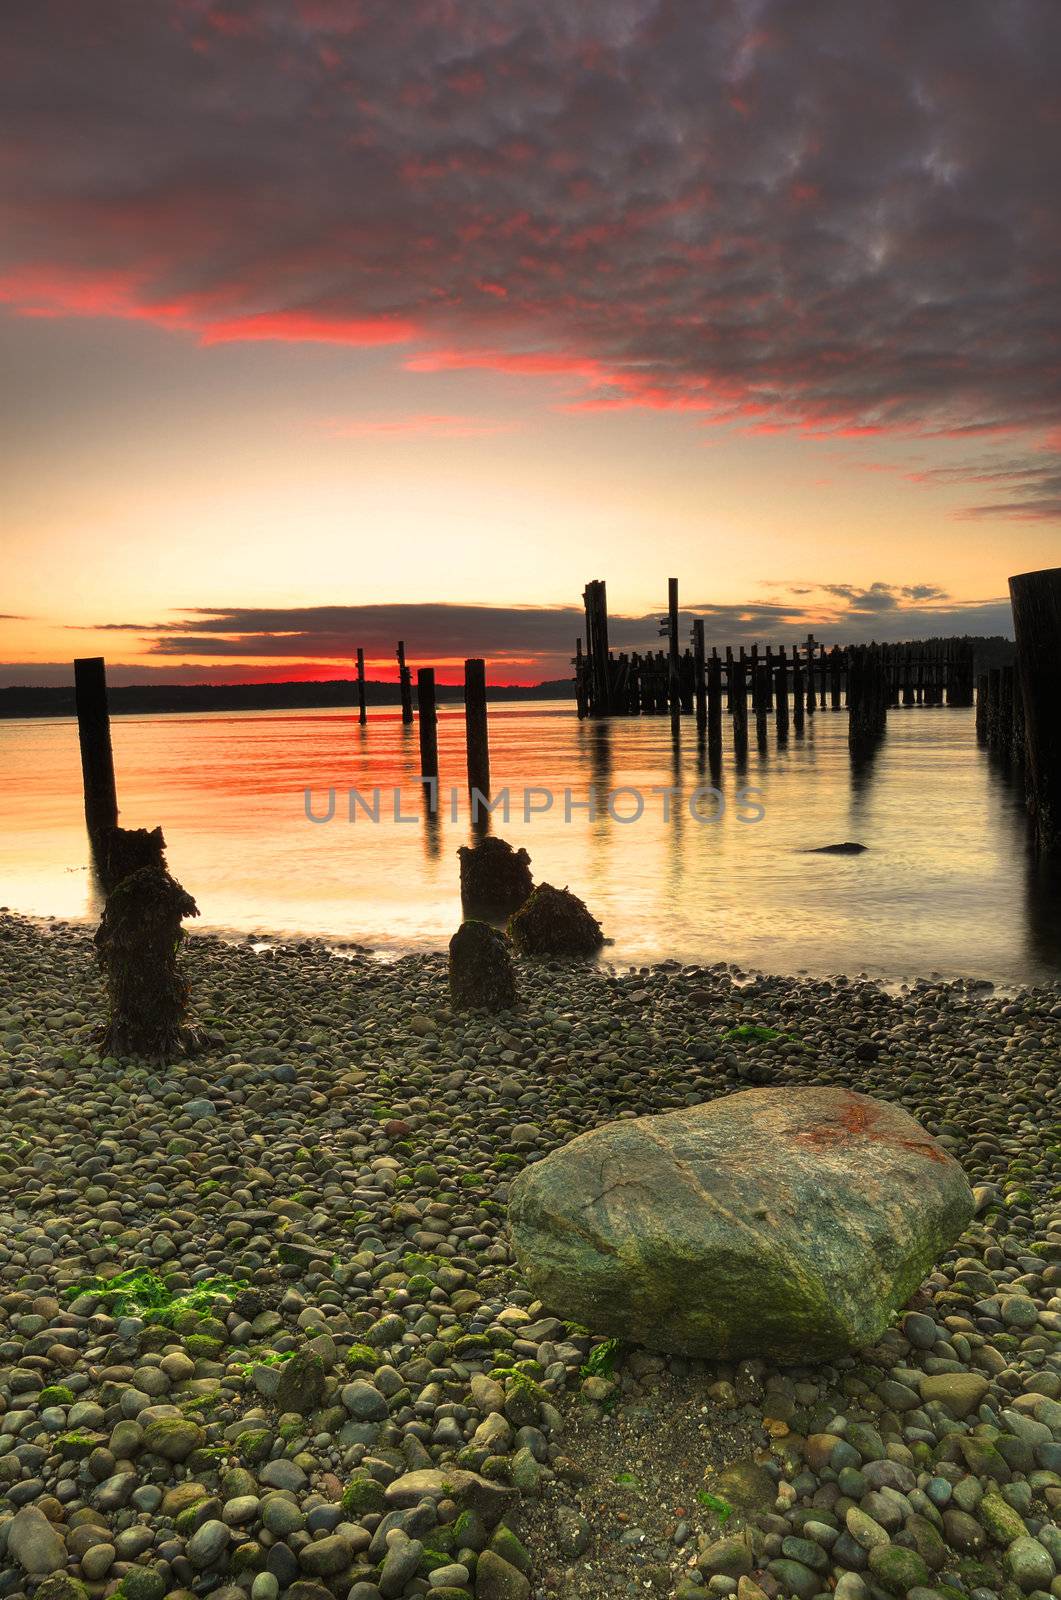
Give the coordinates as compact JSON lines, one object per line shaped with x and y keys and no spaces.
{"x":32,"y":701}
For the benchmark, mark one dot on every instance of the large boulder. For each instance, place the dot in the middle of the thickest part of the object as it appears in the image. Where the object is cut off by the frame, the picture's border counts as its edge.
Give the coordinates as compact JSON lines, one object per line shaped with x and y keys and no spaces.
{"x":555,"y":922}
{"x":495,"y":879}
{"x":481,"y":975}
{"x":786,"y":1223}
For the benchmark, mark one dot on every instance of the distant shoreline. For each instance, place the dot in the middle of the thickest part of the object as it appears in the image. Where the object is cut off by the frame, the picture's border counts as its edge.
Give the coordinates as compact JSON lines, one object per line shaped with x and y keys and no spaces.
{"x":337,"y":693}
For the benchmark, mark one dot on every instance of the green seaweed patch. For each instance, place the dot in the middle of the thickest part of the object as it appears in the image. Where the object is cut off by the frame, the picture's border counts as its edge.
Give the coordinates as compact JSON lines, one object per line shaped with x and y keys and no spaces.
{"x":142,"y":1293}
{"x":600,"y":1363}
{"x":758,"y":1033}
{"x":722,"y":1508}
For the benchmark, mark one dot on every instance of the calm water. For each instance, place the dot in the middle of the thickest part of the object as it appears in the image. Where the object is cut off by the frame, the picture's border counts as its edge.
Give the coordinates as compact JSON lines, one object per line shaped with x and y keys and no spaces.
{"x":945,"y":886}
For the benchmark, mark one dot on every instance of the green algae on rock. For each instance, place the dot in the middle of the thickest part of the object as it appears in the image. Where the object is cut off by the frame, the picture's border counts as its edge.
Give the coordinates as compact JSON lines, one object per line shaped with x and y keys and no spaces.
{"x":782,"y":1223}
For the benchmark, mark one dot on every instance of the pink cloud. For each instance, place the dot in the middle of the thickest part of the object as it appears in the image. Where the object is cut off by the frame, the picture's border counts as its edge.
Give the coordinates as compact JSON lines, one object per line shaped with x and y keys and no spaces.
{"x":837,"y":225}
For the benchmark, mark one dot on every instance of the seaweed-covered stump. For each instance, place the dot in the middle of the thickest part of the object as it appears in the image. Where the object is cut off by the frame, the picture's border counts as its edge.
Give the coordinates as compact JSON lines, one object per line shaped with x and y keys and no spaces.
{"x":495,"y":879}
{"x":480,"y":969}
{"x":555,"y":922}
{"x":137,"y":943}
{"x":122,"y":851}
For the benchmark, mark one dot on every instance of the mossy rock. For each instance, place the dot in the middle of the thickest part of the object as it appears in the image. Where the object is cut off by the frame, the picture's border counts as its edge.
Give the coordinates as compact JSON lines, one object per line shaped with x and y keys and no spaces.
{"x":362,"y":1358}
{"x":173,"y":1438}
{"x":363,"y":1496}
{"x":56,"y":1394}
{"x":202,"y":1347}
{"x":718,"y":1264}
{"x":142,"y":1583}
{"x":301,"y":1385}
{"x":77,"y":1446}
{"x":60,"y":1586}
{"x":254,"y":1444}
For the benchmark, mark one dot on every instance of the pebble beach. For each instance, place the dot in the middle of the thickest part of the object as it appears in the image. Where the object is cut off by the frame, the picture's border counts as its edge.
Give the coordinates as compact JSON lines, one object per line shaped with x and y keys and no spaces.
{"x":262,"y":1332}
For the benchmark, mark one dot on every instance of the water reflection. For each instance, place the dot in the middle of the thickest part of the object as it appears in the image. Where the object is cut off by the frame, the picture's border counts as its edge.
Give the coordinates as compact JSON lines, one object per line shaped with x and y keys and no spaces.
{"x":946,"y":882}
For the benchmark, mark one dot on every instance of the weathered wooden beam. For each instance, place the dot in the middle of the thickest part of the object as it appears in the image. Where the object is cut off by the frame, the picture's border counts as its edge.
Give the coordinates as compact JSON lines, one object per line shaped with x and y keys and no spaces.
{"x":673,"y":680}
{"x":700,"y":673}
{"x":714,"y":707}
{"x":94,"y":737}
{"x":475,"y":725}
{"x":405,"y":684}
{"x":362,"y":714}
{"x":1036,"y":600}
{"x":427,"y":717}
{"x":781,"y":696}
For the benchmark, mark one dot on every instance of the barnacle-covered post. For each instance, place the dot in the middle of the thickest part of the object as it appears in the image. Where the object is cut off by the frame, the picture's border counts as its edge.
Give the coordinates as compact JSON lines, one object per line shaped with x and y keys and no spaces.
{"x":137,"y":944}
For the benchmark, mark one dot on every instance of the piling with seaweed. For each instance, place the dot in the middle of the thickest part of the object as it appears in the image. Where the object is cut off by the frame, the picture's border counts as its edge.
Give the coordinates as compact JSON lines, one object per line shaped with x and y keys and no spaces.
{"x":555,"y":922}
{"x":137,"y":944}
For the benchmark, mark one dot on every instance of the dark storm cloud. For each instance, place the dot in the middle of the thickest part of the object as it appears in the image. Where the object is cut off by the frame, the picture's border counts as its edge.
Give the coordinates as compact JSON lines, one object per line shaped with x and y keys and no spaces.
{"x":835,"y":217}
{"x":541,"y":639}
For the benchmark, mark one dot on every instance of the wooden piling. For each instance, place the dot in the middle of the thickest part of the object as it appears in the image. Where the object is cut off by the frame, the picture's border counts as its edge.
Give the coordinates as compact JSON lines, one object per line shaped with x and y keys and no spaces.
{"x":673,"y":684}
{"x":797,"y":689}
{"x":867,"y":698}
{"x":1036,"y":600}
{"x":699,"y":674}
{"x":427,"y":717}
{"x":781,"y":696}
{"x":405,"y":684}
{"x":822,"y":686}
{"x":994,"y":701}
{"x":740,"y":704}
{"x":810,"y":674}
{"x":362,"y":714}
{"x":595,"y":599}
{"x":714,"y":707}
{"x":94,"y":737}
{"x":475,"y":725}
{"x":580,"y":686}
{"x":981,"y":708}
{"x":759,"y":702}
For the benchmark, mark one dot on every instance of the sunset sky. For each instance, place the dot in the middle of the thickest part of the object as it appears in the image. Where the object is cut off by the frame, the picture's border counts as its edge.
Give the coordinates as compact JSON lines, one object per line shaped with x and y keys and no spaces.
{"x":325,"y":322}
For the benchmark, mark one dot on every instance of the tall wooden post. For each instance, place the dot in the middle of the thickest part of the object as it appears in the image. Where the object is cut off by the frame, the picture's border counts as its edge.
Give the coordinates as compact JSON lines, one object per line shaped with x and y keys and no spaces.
{"x":781,"y":696}
{"x":699,"y":674}
{"x":673,"y":679}
{"x":580,"y":683}
{"x":405,"y":683}
{"x":981,"y":708}
{"x":1036,"y":600}
{"x":994,"y":700}
{"x":94,"y":736}
{"x":428,"y":720}
{"x":595,"y":598}
{"x":797,"y":689}
{"x":475,"y":725}
{"x":810,"y":674}
{"x":714,"y":707}
{"x":740,"y":704}
{"x":362,"y":714}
